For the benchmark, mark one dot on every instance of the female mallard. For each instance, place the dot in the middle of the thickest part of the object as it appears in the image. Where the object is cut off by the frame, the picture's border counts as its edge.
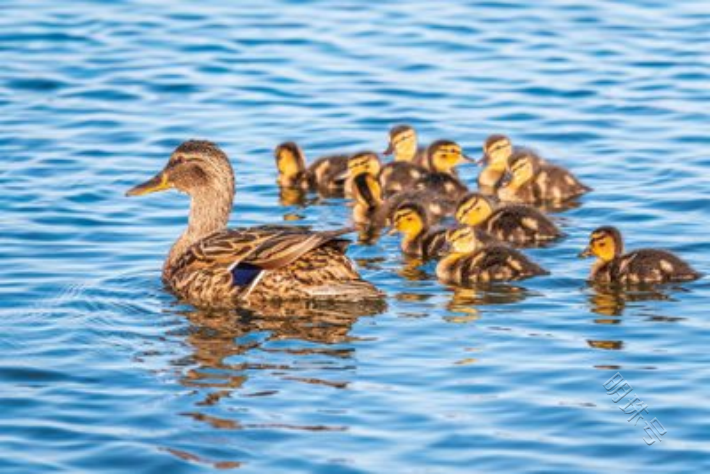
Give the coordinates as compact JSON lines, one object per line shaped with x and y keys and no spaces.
{"x":639,"y":266}
{"x":471,"y":261}
{"x":322,"y":176}
{"x":211,"y":265}
{"x":514,"y":223}
{"x":533,"y":182}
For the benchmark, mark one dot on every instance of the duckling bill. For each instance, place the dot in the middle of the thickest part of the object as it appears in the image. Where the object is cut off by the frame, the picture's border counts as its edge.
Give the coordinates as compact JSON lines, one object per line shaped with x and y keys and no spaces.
{"x":639,"y":266}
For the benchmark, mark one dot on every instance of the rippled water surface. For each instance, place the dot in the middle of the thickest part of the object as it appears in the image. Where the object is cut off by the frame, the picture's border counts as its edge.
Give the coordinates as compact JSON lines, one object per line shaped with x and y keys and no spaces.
{"x":102,"y":370}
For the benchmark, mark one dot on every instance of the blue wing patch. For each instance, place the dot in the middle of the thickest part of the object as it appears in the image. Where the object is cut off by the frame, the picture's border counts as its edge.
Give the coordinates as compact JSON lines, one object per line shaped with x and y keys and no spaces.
{"x":245,"y":273}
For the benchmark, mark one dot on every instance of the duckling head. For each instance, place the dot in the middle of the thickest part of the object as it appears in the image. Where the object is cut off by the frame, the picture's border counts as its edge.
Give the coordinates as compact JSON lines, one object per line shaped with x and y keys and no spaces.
{"x":402,"y":142}
{"x":364,"y":162}
{"x":522,"y":167}
{"x":196,"y":168}
{"x":473,"y":209}
{"x":290,"y":162}
{"x":409,"y":219}
{"x":496,"y":151}
{"x":462,"y":240}
{"x":367,"y":191}
{"x":445,"y":155}
{"x":605,"y":243}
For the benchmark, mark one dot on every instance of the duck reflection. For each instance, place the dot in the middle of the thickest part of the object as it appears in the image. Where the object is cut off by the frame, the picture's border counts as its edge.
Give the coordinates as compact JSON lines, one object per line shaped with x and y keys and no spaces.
{"x":487,"y":294}
{"x":612,"y":300}
{"x":217,"y":336}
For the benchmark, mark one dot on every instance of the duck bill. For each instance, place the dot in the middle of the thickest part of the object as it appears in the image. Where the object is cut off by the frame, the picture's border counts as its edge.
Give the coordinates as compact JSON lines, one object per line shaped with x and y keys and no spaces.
{"x":468,"y":159}
{"x":392,"y":231}
{"x":483,"y":160}
{"x":389,"y":150}
{"x":159,"y":182}
{"x":586,"y":253}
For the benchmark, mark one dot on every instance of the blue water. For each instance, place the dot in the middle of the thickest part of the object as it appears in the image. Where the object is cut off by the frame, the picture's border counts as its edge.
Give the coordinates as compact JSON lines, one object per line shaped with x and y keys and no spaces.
{"x":102,"y":371}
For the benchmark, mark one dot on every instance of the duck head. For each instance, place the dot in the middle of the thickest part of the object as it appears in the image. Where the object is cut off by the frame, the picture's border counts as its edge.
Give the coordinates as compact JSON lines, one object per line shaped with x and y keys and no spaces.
{"x":605,"y":243}
{"x":445,"y":155}
{"x":473,"y":209}
{"x":402,"y":143}
{"x":196,"y":168}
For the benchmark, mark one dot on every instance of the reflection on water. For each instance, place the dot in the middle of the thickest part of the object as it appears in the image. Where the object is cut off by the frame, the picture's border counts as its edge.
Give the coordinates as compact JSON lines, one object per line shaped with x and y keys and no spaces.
{"x":215,"y":336}
{"x":612,"y":300}
{"x":489,"y":294}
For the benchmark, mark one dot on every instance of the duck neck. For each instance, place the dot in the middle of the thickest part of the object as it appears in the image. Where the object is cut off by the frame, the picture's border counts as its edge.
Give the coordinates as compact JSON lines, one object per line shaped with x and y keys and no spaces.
{"x":209,"y":213}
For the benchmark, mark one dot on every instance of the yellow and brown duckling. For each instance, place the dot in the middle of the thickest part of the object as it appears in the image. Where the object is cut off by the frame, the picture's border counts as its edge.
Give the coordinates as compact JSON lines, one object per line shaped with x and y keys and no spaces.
{"x":513,"y":223}
{"x":410,"y":161}
{"x":637,"y":267}
{"x":372,"y":209}
{"x":404,"y":145}
{"x":532,"y":182}
{"x":210,"y":265}
{"x":443,"y":157}
{"x":470,"y":261}
{"x":419,"y":240}
{"x":323,"y":176}
{"x":363,"y":162}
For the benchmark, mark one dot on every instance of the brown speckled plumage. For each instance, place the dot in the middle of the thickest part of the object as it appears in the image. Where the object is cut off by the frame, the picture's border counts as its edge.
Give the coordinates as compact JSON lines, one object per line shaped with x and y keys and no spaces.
{"x":324,"y":175}
{"x":549,"y":183}
{"x":642,"y":266}
{"x":213,"y":266}
{"x":516,"y":224}
{"x":491,"y":263}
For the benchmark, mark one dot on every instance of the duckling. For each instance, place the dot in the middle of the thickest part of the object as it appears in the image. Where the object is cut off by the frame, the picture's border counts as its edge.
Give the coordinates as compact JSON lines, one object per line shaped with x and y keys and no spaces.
{"x":470,"y":261}
{"x":372,"y":210}
{"x":403,"y":144}
{"x":362,"y":162}
{"x":535,"y":183}
{"x":407,"y":168}
{"x":639,"y":266}
{"x":496,"y":151}
{"x":419,"y":240}
{"x":514,"y":223}
{"x":322,"y":176}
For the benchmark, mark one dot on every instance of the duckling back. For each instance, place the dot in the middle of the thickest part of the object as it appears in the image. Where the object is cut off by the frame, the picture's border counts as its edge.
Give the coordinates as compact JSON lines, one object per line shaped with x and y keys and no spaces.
{"x":521,"y":225}
{"x":645,"y":266}
{"x":326,"y":175}
{"x":489,"y":264}
{"x":399,"y":176}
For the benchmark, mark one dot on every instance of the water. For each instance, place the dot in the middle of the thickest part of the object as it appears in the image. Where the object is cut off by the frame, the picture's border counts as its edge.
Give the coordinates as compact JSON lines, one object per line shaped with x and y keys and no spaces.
{"x":102,"y":370}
